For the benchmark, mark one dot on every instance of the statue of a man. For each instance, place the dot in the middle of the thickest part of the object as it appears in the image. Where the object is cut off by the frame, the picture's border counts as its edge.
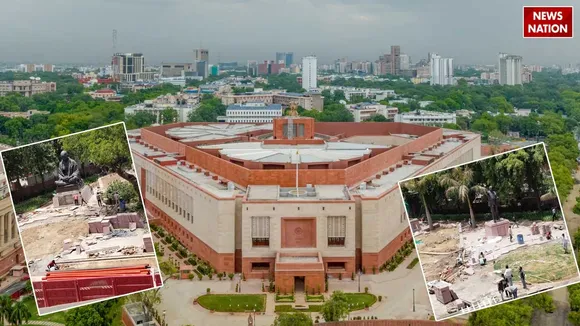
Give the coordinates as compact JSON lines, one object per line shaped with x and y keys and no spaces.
{"x":493,"y":203}
{"x":68,"y":171}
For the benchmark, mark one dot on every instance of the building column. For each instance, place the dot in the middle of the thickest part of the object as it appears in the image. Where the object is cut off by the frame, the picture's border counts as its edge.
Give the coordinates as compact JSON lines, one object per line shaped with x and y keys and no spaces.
{"x":10,"y":226}
{"x":2,"y":230}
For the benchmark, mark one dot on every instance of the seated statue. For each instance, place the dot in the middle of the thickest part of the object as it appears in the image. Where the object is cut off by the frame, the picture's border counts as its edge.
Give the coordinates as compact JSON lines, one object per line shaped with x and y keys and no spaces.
{"x":68,"y":171}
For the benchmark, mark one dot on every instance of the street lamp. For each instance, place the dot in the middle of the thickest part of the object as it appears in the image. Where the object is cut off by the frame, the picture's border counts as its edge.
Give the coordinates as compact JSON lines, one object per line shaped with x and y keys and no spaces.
{"x":413,"y":300}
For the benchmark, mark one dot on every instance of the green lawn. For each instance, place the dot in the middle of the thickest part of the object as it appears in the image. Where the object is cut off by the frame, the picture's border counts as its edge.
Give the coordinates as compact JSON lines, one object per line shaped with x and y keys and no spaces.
{"x":358,"y":300}
{"x":288,"y":308}
{"x":542,"y":263}
{"x":233,"y":302}
{"x":33,"y":203}
{"x":57,"y":317}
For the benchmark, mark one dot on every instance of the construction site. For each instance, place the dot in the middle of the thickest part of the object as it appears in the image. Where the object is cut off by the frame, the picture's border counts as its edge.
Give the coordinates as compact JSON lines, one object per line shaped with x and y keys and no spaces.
{"x":87,"y":252}
{"x":463,"y":265}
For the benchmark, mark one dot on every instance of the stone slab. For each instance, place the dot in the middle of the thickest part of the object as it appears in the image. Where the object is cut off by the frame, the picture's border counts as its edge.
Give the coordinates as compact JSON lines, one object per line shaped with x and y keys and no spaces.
{"x":67,"y":188}
{"x":87,"y":193}
{"x":64,"y":198}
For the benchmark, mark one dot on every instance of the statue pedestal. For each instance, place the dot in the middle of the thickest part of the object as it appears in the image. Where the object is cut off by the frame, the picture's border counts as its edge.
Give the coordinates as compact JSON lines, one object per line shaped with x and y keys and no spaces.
{"x":499,"y":228}
{"x":65,"y":195}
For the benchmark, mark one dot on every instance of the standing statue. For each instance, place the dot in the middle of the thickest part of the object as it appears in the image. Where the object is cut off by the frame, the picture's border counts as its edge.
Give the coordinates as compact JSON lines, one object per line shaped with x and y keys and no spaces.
{"x":68,"y":171}
{"x":493,"y":203}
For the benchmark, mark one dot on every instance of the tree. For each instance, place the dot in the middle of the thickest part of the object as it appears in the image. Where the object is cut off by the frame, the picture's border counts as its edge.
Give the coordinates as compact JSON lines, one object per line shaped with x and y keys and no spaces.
{"x":106,"y":147}
{"x":336,"y":308}
{"x":84,"y":316}
{"x":293,"y":319}
{"x":140,"y":119}
{"x":125,"y":190}
{"x":5,"y":308}
{"x":459,"y":184}
{"x":377,"y":118}
{"x":169,"y":115}
{"x":37,"y":159}
{"x":422,"y":186}
{"x":20,"y":313}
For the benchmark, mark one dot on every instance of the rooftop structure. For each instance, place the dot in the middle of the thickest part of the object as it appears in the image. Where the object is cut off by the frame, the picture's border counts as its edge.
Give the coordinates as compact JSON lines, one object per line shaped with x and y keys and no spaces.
{"x":26,"y":88}
{"x":183,"y":103}
{"x":292,"y":195}
{"x":423,"y":117}
{"x":257,"y":112}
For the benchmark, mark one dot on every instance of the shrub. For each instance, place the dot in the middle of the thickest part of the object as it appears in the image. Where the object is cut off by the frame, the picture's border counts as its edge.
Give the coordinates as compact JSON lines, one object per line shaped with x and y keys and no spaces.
{"x":366,"y":305}
{"x":318,"y":290}
{"x":220,"y":275}
{"x":192,"y":261}
{"x":352,"y":276}
{"x":340,"y":276}
{"x":210,"y":276}
{"x":374,"y":270}
{"x":366,"y":289}
{"x":199,"y":276}
{"x":208,"y":290}
{"x":168,"y":239}
{"x":174,"y":246}
{"x":364,"y":270}
{"x":237,"y":287}
{"x":380,"y":298}
{"x":263,"y":287}
{"x":183,"y":252}
{"x":231,"y":276}
{"x":125,"y":190}
{"x":243,"y":277}
{"x":190,"y":276}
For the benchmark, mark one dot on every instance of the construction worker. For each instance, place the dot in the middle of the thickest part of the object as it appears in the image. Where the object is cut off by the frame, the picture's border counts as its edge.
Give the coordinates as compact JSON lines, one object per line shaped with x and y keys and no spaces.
{"x":99,"y":198}
{"x":51,"y":266}
{"x":76,"y":198}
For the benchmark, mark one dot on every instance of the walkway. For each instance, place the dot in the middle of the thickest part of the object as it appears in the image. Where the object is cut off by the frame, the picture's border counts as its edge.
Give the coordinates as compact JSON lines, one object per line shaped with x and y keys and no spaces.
{"x":43,"y":323}
{"x":396,"y":288}
{"x":572,"y":220}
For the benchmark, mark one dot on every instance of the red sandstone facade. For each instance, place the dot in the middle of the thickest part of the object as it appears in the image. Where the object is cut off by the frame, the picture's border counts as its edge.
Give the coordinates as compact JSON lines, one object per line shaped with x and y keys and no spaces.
{"x":239,"y":212}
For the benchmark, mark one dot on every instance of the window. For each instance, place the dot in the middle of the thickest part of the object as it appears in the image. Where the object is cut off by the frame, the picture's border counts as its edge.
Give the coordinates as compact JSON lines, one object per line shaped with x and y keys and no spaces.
{"x":260,"y":231}
{"x":336,"y":265}
{"x":260,"y":266}
{"x":336,"y":232}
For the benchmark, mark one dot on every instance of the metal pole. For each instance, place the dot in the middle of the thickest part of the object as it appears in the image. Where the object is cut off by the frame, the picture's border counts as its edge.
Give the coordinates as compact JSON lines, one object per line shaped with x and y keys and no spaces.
{"x":413,"y":300}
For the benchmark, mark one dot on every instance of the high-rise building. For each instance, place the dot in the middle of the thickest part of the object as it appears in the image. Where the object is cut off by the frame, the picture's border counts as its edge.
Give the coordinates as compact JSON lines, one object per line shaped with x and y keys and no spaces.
{"x":395,"y":60}
{"x":285,"y":57}
{"x":309,"y":73}
{"x":202,"y":68}
{"x":252,"y":68}
{"x":441,"y":70}
{"x":405,"y":61}
{"x":130,"y":67}
{"x":201,"y":55}
{"x":289,"y":59}
{"x":510,"y":69}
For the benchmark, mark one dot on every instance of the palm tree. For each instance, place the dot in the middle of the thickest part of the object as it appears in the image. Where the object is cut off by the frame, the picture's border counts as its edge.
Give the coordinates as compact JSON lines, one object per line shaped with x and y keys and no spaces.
{"x":5,"y":308}
{"x":459,"y":184}
{"x":421,"y":186}
{"x":20,"y":313}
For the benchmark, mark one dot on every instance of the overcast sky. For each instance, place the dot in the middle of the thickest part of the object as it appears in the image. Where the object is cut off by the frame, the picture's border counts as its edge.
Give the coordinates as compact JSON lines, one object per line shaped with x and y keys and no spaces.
{"x":80,"y":31}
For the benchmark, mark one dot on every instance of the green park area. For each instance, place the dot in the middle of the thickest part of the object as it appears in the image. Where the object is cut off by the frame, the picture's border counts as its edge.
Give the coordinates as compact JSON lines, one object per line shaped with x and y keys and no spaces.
{"x":233,"y":302}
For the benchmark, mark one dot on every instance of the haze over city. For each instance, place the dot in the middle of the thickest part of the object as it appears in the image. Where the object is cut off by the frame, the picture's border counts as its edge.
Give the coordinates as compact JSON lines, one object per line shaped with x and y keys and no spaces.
{"x":66,"y":31}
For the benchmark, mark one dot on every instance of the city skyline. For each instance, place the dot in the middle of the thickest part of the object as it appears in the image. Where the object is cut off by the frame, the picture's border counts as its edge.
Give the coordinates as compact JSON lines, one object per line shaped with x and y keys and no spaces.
{"x":233,"y":30}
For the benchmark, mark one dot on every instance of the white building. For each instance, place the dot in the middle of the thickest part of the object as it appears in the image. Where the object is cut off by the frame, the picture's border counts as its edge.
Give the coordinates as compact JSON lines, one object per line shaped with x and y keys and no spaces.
{"x":177,"y":81}
{"x":510,"y":69}
{"x":405,"y":61}
{"x":441,"y":70}
{"x":309,"y":74}
{"x":254,"y":112}
{"x":422,"y":117}
{"x":181,"y":102}
{"x":366,"y":110}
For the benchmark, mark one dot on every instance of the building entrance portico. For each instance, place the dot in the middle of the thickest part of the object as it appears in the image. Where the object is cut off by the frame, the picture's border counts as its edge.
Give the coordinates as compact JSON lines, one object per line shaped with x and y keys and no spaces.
{"x":299,"y":272}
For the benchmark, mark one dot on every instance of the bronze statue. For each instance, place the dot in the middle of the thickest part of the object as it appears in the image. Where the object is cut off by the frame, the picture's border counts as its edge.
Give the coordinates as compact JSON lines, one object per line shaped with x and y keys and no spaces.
{"x":68,"y":171}
{"x":293,"y":109}
{"x":493,"y":203}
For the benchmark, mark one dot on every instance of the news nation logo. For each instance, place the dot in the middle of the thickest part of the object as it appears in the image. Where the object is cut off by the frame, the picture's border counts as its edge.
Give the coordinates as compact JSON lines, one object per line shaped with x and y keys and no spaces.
{"x":548,"y":22}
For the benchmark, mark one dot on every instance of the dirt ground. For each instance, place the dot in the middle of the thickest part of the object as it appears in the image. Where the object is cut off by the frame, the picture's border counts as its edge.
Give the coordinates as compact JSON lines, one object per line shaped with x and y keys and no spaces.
{"x":42,"y":239}
{"x":444,"y":240}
